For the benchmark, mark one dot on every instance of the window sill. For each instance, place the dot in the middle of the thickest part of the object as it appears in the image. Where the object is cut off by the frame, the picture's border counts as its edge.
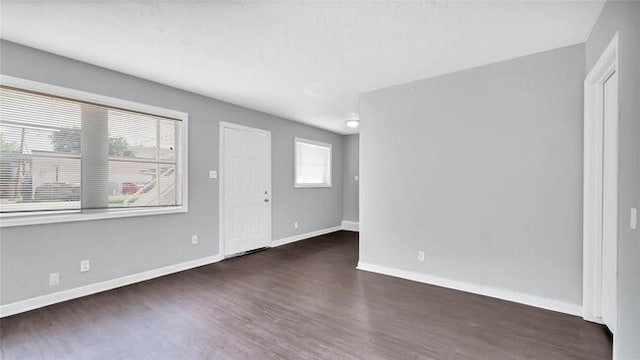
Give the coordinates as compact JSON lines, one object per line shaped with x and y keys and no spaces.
{"x":302,"y":186}
{"x":73,"y":216}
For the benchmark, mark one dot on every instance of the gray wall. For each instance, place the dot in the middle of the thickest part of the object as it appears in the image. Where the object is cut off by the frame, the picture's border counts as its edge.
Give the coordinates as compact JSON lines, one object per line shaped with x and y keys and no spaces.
{"x":625,"y":17}
{"x":482,"y":170}
{"x":120,"y":247}
{"x":351,"y":168}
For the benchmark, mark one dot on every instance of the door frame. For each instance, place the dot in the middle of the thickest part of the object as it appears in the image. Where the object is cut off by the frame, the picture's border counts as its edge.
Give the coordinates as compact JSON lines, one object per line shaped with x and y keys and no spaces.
{"x":227,"y":125}
{"x":606,"y":65}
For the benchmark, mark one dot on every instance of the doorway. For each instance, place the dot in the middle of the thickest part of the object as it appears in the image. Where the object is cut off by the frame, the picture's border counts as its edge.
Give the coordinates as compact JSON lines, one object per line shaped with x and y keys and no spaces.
{"x":245,"y":189}
{"x":601,"y":190}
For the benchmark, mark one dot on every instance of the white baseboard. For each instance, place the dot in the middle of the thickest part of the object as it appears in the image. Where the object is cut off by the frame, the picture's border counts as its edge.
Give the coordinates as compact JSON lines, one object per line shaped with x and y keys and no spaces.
{"x":308,"y":235}
{"x":350,"y":225}
{"x":509,"y":295}
{"x":49,"y":299}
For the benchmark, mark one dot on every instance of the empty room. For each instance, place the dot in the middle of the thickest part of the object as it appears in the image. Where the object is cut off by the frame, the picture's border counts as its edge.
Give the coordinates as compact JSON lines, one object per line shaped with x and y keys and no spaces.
{"x":335,"y":180}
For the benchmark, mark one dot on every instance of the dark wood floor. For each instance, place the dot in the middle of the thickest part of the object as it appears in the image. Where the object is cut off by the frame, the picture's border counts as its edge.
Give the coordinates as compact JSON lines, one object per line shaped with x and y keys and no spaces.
{"x":301,"y":301}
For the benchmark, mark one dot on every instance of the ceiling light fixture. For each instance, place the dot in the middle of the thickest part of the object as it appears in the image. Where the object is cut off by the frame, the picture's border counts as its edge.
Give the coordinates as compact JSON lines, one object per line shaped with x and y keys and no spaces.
{"x":353,"y":123}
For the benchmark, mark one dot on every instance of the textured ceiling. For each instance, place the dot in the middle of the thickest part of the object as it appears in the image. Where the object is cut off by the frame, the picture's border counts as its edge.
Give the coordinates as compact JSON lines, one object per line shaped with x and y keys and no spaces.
{"x":304,"y":61}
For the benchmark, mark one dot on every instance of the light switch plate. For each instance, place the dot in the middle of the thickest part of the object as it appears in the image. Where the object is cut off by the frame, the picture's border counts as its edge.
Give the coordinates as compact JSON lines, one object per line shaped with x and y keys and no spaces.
{"x":85,"y":266}
{"x":633,"y":221}
{"x":357,"y":178}
{"x":213,"y":174}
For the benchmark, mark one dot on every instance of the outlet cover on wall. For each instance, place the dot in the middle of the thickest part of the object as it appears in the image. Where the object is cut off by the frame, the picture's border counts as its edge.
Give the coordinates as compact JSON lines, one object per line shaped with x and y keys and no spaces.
{"x":85,"y":266}
{"x":420,"y":255}
{"x":54,"y":279}
{"x":213,"y":174}
{"x":194,"y":239}
{"x":295,"y":225}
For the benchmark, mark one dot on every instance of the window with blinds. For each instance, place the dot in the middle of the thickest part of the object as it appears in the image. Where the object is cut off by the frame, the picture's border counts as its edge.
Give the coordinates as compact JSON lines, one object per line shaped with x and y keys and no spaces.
{"x":64,"y":154}
{"x":312,"y":163}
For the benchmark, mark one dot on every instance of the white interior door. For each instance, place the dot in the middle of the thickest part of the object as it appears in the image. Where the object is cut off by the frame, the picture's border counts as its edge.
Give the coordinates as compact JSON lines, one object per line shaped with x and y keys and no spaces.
{"x":610,"y":200}
{"x":246,"y":188}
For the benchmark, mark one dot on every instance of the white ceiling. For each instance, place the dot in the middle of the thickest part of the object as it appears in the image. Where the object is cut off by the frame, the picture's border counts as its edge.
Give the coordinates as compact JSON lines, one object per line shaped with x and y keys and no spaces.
{"x":304,"y":61}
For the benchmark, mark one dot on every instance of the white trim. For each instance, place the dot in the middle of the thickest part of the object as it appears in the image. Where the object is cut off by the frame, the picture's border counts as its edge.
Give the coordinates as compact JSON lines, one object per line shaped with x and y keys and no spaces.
{"x":593,"y":173}
{"x":86,"y":96}
{"x":85,"y":215}
{"x":69,"y":216}
{"x":224,"y":124}
{"x":298,"y":185}
{"x":228,"y":125}
{"x":350,"y":225}
{"x":49,"y":299}
{"x":311,"y":186}
{"x":509,"y":295}
{"x":304,"y":236}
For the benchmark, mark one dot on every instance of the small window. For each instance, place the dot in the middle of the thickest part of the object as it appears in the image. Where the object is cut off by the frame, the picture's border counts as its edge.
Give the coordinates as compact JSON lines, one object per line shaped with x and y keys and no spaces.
{"x":312,"y":163}
{"x":65,"y":151}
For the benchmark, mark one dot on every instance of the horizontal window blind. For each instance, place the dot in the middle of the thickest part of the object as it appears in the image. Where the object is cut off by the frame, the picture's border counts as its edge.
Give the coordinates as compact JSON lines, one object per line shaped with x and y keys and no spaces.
{"x":63,"y":154}
{"x":40,"y":152}
{"x":313,"y":163}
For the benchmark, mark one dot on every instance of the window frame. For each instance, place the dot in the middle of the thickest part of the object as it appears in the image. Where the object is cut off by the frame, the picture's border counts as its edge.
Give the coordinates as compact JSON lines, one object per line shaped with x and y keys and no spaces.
{"x":298,"y":185}
{"x":48,"y":217}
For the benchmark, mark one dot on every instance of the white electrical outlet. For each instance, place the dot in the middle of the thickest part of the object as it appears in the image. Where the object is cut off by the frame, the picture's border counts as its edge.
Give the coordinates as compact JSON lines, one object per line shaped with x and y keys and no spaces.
{"x":356,"y":178}
{"x":295,"y":225}
{"x":194,"y":239}
{"x":54,"y":279}
{"x":85,"y":266}
{"x":420,"y":255}
{"x":213,"y":174}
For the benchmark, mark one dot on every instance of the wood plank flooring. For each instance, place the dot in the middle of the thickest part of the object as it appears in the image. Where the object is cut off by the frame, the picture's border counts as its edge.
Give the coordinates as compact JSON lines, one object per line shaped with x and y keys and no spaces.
{"x":301,"y":301}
